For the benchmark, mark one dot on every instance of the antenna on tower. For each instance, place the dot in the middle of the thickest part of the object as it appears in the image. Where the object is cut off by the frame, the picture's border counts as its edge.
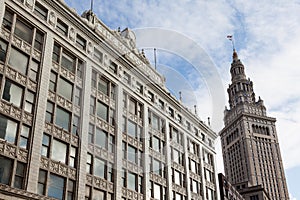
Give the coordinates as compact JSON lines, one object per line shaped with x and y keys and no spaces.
{"x":180,"y":96}
{"x":230,"y":37}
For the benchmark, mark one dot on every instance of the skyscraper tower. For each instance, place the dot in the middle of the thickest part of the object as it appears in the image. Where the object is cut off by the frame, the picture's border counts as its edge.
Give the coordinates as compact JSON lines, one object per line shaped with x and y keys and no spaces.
{"x":249,"y":140}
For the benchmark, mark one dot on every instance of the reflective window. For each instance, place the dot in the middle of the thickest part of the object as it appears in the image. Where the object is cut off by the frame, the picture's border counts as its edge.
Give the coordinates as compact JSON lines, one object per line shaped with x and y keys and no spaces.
{"x":98,"y":195}
{"x":131,"y":181}
{"x":7,"y":20}
{"x":24,"y":137}
{"x":102,"y":111}
{"x":19,"y":175}
{"x":63,"y":118}
{"x":59,"y":151}
{"x":12,"y":93}
{"x":131,"y":154}
{"x":40,"y":10}
{"x":99,"y":167}
{"x":8,"y":129}
{"x":62,"y":27}
{"x":131,"y":129}
{"x":68,"y":62}
{"x":45,"y":145}
{"x":18,"y":61}
{"x":56,"y":186}
{"x":157,"y":191}
{"x":80,"y":42}
{"x":71,"y":188}
{"x":34,"y":68}
{"x":39,"y":40}
{"x":101,"y":138}
{"x":42,"y":182}
{"x":29,"y":101}
{"x":49,"y":112}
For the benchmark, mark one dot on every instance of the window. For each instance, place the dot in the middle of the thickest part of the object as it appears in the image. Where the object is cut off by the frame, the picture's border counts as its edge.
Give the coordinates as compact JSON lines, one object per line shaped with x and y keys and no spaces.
{"x":7,"y":20}
{"x":3,"y":49}
{"x":89,"y":163}
{"x":49,"y":112}
{"x":40,"y":10}
{"x":34,"y":70}
{"x":65,"y":88}
{"x":161,"y":104}
{"x":68,"y":61}
{"x":98,"y":195}
{"x":98,"y":56}
{"x":59,"y":151}
{"x":177,"y":156}
{"x":113,"y":67}
{"x":178,"y":177}
{"x":103,"y":86}
{"x":255,"y":197}
{"x":157,"y":191}
{"x":99,"y":167}
{"x":76,"y":125}
{"x":175,"y":135}
{"x":45,"y":145}
{"x":139,"y":87}
{"x":39,"y":40}
{"x":29,"y":101}
{"x":8,"y":129}
{"x":12,"y":93}
{"x":80,"y":42}
{"x":194,"y":186}
{"x":18,"y":61}
{"x":6,"y":166}
{"x":92,"y":105}
{"x":131,"y":154}
{"x":94,"y":79}
{"x":62,"y":27}
{"x":72,"y":159}
{"x":101,"y":138}
{"x":77,"y":99}
{"x":56,"y":186}
{"x":131,"y":129}
{"x":150,"y":96}
{"x":131,"y":181}
{"x":56,"y":53}
{"x":24,"y":31}
{"x":91,"y":133}
{"x":24,"y":137}
{"x":88,"y":193}
{"x":193,"y":166}
{"x":126,"y":78}
{"x":156,"y":122}
{"x":63,"y":118}
{"x":102,"y":111}
{"x":71,"y":188}
{"x":80,"y":67}
{"x":19,"y":175}
{"x":42,"y":182}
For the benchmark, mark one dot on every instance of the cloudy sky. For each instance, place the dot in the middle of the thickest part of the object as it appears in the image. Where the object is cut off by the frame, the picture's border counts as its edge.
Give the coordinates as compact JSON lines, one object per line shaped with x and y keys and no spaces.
{"x":267,"y":39}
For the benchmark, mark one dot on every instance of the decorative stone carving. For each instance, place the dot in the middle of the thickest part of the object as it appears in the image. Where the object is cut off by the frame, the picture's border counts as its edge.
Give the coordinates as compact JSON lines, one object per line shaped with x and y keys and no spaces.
{"x":29,"y":3}
{"x":90,"y":48}
{"x":52,"y":18}
{"x":72,"y":34}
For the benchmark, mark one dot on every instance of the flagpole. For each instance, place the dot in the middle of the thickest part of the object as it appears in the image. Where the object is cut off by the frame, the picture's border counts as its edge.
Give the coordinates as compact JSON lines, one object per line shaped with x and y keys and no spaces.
{"x":155,"y":58}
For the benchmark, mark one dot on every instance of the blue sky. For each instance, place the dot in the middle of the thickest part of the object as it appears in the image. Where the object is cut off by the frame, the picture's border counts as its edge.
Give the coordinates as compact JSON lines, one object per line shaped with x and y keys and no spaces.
{"x":267,"y":40}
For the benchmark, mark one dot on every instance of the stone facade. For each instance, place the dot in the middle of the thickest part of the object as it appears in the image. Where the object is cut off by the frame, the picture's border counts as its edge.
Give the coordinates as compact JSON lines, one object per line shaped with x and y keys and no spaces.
{"x":249,"y":139}
{"x":83,"y":114}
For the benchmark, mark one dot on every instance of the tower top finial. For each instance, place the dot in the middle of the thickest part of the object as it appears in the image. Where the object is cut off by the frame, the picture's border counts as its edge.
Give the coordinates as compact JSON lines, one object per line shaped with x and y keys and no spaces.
{"x":235,"y":55}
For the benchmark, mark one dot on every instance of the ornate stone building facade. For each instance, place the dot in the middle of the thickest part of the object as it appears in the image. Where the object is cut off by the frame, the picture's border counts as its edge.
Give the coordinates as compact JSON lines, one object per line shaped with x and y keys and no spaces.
{"x":249,"y":140}
{"x":83,"y":115}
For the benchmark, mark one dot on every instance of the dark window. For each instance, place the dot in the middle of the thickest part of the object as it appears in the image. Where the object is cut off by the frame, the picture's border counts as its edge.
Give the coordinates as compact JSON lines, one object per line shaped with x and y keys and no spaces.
{"x":40,"y":10}
{"x":24,"y":31}
{"x":98,"y":56}
{"x":92,"y":105}
{"x":49,"y":112}
{"x":80,"y":69}
{"x":68,"y":61}
{"x":19,"y":176}
{"x":62,"y":27}
{"x":77,"y":99}
{"x":24,"y":137}
{"x":113,"y":67}
{"x":91,"y":133}
{"x":103,"y":85}
{"x":39,"y":40}
{"x":81,"y":43}
{"x":89,"y":163}
{"x":42,"y":182}
{"x":71,"y":188}
{"x":45,"y":145}
{"x":56,"y":53}
{"x":3,"y":48}
{"x":7,"y":20}
{"x":76,"y":125}
{"x":94,"y":79}
{"x":5,"y":169}
{"x":52,"y":83}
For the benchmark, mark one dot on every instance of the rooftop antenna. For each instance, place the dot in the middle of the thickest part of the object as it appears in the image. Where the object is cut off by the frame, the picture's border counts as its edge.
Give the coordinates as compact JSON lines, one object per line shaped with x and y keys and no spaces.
{"x":230,"y":37}
{"x":92,"y":5}
{"x":155,"y":58}
{"x":180,"y":96}
{"x":208,"y":119}
{"x":195,"y":107}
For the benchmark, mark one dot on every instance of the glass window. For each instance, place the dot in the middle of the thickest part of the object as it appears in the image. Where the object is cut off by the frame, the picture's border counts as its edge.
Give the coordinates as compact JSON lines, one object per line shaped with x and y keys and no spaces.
{"x":24,"y":137}
{"x":39,"y":40}
{"x":8,"y":129}
{"x":65,"y":89}
{"x":98,"y":195}
{"x":24,"y":31}
{"x":92,"y":105}
{"x":52,"y":83}
{"x":12,"y":93}
{"x":156,"y":166}
{"x":194,"y":186}
{"x":62,"y":27}
{"x":103,"y":86}
{"x":68,"y":61}
{"x":89,"y":163}
{"x":5,"y":169}
{"x":98,"y":55}
{"x":102,"y":111}
{"x":72,"y":157}
{"x":59,"y":151}
{"x":80,"y":67}
{"x":157,"y":191}
{"x":131,"y":129}
{"x":81,"y":43}
{"x":56,"y":186}
{"x":3,"y":48}
{"x":71,"y":187}
{"x":101,"y":138}
{"x":77,"y":99}
{"x":40,"y":10}
{"x":34,"y":68}
{"x":131,"y":181}
{"x":94,"y":79}
{"x":110,"y":172}
{"x":99,"y":167}
{"x":49,"y":112}
{"x":29,"y":101}
{"x":19,"y":175}
{"x":45,"y":145}
{"x":155,"y":143}
{"x":63,"y":118}
{"x":113,"y":67}
{"x":7,"y":20}
{"x":42,"y":182}
{"x":131,"y":154}
{"x":91,"y":133}
{"x":76,"y":125}
{"x":177,"y":177}
{"x":18,"y":61}
{"x":88,"y":193}
{"x":193,"y":166}
{"x":56,"y":53}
